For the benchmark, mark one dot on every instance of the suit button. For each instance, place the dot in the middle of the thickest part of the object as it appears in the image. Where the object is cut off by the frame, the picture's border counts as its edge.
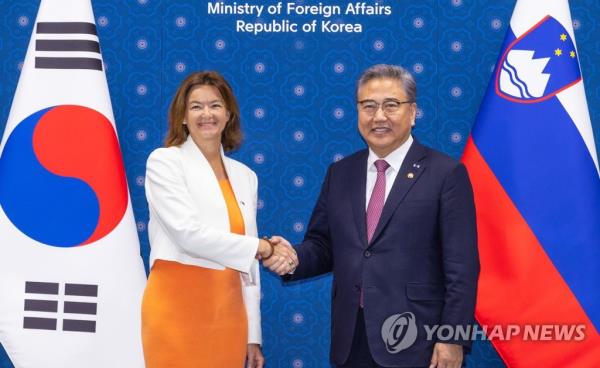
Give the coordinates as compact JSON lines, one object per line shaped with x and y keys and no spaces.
{"x":367,"y":253}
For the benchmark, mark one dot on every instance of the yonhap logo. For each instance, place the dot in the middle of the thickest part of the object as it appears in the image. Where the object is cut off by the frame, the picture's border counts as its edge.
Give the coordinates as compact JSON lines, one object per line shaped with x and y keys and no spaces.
{"x":399,"y":332}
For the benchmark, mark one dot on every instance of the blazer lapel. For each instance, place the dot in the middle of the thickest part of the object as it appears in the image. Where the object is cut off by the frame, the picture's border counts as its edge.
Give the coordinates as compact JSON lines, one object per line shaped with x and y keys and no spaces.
{"x":357,"y":193}
{"x":201,"y":180}
{"x":409,"y":174}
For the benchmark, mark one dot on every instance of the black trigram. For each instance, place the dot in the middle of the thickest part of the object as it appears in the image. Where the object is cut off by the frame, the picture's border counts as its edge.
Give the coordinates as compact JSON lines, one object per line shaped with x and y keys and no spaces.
{"x":63,"y":43}
{"x":49,"y":319}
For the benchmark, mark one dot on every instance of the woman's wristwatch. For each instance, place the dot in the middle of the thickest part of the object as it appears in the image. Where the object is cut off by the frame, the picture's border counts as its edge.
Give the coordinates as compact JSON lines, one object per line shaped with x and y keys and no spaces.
{"x":272,"y":248}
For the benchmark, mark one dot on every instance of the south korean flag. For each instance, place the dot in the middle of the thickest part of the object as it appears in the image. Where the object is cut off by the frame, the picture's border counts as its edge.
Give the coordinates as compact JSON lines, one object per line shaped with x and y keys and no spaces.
{"x":71,"y":275}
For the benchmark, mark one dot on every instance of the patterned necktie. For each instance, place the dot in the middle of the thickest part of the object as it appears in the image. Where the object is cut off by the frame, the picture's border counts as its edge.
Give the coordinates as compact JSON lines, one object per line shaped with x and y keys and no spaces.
{"x":375,"y":207}
{"x":377,"y":199}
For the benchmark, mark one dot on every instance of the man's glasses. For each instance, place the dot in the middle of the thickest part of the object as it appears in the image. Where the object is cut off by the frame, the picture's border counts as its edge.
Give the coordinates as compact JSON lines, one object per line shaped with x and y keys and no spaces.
{"x":389,"y":106}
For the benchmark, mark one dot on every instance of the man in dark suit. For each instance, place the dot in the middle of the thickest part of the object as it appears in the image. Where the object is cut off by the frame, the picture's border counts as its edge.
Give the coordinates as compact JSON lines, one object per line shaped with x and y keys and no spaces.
{"x":396,"y":225}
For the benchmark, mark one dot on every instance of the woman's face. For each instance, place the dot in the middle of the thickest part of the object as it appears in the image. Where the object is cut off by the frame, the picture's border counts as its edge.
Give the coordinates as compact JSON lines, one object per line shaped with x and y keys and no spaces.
{"x":206,"y":114}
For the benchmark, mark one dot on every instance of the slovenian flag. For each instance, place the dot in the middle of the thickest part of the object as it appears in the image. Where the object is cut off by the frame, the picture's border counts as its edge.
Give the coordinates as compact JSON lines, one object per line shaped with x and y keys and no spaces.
{"x":534,"y":168}
{"x":71,"y":276}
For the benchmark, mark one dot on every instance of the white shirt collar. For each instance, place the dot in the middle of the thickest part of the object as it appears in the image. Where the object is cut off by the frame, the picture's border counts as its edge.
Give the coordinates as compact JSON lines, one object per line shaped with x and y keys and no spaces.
{"x":394,"y":159}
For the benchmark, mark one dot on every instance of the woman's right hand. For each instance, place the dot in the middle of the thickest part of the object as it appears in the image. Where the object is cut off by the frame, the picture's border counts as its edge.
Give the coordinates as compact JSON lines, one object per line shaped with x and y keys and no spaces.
{"x":265,"y":249}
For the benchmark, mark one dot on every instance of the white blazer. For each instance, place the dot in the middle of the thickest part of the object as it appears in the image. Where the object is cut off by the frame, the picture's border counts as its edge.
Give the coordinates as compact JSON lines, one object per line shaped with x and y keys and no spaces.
{"x":189,"y":222}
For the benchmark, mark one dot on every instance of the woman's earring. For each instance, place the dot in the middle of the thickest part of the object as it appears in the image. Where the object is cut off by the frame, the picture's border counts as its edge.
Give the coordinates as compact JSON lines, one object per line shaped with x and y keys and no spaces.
{"x":184,"y":122}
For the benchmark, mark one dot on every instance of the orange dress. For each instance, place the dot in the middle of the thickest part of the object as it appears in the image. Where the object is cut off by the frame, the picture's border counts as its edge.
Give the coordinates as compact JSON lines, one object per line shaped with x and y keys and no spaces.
{"x":194,"y":316}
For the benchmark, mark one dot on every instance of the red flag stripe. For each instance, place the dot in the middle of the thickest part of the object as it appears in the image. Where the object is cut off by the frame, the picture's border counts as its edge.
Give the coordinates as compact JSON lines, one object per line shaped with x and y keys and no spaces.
{"x":514,"y":271}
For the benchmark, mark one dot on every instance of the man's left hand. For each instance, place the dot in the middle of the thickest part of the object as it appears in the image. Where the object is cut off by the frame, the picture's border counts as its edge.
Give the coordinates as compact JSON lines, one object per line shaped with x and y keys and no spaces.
{"x":446,"y":356}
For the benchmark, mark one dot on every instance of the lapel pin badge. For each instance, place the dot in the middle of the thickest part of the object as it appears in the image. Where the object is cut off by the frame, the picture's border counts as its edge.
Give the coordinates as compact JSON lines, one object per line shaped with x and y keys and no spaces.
{"x":410,"y":175}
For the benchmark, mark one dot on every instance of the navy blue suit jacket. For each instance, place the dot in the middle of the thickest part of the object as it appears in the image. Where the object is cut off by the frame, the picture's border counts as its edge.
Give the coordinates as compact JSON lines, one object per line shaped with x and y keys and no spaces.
{"x":422,"y":258}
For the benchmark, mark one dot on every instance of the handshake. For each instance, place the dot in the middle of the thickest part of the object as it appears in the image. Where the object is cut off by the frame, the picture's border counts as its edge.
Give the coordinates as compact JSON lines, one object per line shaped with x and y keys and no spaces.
{"x":277,"y":254}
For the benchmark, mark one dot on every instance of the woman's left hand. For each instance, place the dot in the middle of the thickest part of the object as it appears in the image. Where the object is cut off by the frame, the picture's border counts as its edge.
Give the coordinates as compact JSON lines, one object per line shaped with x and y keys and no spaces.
{"x":254,"y":357}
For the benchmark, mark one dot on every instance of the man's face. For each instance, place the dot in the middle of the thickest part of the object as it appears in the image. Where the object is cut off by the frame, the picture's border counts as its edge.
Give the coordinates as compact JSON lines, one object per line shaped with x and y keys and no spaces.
{"x":384,"y":120}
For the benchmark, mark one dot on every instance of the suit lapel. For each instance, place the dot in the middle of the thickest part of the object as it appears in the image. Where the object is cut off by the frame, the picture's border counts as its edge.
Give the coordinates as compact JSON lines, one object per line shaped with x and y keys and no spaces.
{"x":357,"y":192}
{"x":409,"y":174}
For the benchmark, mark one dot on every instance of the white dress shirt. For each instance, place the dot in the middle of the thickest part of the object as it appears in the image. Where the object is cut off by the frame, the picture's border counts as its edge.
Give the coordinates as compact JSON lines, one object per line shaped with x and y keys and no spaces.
{"x":394,"y":159}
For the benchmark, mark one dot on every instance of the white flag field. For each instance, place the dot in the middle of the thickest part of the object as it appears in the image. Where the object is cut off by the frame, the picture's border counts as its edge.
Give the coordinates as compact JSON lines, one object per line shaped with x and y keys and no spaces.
{"x":71,"y":275}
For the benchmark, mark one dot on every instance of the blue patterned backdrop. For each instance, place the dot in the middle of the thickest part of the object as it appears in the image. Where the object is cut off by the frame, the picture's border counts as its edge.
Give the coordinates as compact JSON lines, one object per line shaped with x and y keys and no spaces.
{"x":298,"y":115}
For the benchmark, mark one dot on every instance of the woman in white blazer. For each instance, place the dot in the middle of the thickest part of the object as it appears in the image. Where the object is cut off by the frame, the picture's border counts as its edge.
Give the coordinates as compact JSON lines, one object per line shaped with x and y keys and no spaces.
{"x":201,"y":306}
